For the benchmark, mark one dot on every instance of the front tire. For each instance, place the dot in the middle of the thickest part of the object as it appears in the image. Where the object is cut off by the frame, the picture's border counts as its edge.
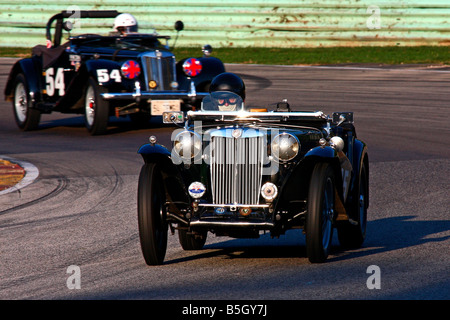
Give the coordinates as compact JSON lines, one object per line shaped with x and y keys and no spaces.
{"x":96,"y":109}
{"x":153,"y":226}
{"x":26,"y":117}
{"x":319,"y":219}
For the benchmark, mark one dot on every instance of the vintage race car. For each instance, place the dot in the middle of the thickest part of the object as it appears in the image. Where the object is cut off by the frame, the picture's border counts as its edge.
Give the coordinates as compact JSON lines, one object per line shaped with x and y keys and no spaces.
{"x":245,"y":171}
{"x":100,"y":76}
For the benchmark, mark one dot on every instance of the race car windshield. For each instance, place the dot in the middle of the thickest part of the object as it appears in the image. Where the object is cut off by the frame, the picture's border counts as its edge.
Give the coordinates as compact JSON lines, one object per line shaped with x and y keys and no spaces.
{"x":222,"y":101}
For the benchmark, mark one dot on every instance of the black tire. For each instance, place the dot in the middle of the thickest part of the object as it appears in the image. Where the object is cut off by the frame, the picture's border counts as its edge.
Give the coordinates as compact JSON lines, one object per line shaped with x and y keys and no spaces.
{"x":319,"y":219}
{"x":27,"y":118}
{"x":153,"y":227}
{"x":353,"y":236}
{"x":96,"y":109}
{"x":191,"y":241}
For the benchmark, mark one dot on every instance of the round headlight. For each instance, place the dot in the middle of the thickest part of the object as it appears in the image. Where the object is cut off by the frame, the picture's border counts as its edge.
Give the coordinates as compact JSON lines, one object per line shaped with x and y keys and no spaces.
{"x":187,"y":144}
{"x":285,"y":147}
{"x":269,"y":191}
{"x":337,"y":143}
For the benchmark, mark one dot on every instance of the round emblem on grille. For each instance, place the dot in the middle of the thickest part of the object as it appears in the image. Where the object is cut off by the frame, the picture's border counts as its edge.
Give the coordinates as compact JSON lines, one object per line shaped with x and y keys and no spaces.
{"x":236,"y":133}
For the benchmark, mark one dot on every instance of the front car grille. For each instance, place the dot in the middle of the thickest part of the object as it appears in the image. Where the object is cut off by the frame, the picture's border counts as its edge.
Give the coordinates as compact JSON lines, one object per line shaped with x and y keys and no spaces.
{"x":159,"y":66}
{"x":236,"y":166}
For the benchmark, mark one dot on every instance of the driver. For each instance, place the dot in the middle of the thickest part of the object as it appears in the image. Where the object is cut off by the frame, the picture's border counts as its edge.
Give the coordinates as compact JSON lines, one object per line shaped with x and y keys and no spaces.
{"x":125,"y":23}
{"x":227,"y":82}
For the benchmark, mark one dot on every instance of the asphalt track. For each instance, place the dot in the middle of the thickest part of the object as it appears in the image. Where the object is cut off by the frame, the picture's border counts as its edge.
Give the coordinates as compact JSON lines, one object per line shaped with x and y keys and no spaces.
{"x":81,"y":208}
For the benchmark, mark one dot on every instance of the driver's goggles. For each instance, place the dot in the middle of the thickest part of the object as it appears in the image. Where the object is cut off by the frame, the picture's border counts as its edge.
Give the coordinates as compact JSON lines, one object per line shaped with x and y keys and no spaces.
{"x":225,"y":101}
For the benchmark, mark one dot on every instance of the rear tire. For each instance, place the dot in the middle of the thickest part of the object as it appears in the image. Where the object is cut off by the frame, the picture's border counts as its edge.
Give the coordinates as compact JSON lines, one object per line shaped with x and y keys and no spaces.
{"x":319,"y":219}
{"x":353,"y":236}
{"x":27,"y":118}
{"x":191,"y":241}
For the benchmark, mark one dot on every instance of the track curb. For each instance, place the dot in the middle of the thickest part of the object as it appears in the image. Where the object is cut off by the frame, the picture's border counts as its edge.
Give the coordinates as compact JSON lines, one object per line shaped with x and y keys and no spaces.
{"x":15,"y":174}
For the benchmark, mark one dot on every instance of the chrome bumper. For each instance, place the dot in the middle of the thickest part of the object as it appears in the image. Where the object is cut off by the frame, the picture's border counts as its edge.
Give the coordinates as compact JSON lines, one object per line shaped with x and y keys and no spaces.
{"x":157,"y":95}
{"x":248,"y":224}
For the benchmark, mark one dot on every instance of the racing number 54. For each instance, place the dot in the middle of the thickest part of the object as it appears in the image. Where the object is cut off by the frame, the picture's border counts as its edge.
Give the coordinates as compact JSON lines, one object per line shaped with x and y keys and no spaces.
{"x":54,"y":81}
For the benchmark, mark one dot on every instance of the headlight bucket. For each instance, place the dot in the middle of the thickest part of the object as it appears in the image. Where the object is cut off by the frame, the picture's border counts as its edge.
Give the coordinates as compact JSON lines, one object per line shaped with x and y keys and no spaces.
{"x":285,"y":147}
{"x":187,"y":144}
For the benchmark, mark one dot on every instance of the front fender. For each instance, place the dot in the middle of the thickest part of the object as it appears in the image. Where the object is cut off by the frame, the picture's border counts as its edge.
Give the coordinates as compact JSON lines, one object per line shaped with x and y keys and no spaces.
{"x":297,"y":185}
{"x":105,"y":72}
{"x":172,"y":177}
{"x":211,"y":67}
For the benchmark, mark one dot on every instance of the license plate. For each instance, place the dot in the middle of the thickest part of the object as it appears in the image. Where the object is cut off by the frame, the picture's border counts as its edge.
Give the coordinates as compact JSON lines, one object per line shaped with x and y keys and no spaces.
{"x":158,"y":107}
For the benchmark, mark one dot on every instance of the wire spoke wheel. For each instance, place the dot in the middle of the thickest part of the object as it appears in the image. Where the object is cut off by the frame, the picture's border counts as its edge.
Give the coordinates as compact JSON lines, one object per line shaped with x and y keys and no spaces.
{"x":26,"y":117}
{"x":96,"y":109}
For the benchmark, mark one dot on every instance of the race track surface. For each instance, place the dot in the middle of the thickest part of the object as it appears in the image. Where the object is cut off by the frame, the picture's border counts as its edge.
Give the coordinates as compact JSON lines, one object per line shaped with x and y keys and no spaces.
{"x":81,"y":208}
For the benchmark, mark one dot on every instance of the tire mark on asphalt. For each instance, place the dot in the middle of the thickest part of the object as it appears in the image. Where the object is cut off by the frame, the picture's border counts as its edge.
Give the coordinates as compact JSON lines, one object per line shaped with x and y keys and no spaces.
{"x":61,"y":186}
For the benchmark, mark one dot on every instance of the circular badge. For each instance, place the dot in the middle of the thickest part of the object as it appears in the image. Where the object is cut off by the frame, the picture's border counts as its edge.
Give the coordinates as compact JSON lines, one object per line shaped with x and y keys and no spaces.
{"x":196,"y":190}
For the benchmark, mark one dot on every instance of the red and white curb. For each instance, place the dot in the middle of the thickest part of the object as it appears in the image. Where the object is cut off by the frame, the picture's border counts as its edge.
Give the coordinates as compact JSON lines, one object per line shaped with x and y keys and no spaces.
{"x":31,"y":173}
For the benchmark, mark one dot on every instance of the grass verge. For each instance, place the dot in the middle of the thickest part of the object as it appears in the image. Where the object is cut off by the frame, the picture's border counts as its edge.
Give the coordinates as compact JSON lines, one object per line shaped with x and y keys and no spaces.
{"x":308,"y":56}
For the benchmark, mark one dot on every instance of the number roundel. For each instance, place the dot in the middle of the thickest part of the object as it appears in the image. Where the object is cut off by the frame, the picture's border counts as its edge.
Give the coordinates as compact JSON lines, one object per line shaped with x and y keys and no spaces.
{"x":130,"y":69}
{"x":192,"y":67}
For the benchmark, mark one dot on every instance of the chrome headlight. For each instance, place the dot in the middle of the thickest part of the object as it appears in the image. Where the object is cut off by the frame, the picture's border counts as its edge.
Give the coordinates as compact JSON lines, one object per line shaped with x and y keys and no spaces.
{"x":285,"y":147}
{"x":187,"y":144}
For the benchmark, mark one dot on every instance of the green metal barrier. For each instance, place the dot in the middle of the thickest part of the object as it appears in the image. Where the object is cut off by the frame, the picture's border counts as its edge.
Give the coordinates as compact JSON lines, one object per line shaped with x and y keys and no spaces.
{"x":263,"y":23}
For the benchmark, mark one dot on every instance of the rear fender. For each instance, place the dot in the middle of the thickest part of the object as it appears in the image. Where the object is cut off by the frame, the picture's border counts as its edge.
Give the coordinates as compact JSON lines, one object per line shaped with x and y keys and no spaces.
{"x":30,"y":69}
{"x":360,"y":158}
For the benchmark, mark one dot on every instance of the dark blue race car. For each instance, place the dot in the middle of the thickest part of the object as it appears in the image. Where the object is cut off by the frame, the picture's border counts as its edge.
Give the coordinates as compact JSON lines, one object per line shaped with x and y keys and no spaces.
{"x":119,"y":74}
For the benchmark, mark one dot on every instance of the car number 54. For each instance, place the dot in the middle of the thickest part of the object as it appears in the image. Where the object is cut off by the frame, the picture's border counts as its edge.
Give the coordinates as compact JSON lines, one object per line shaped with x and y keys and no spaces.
{"x":103,"y":75}
{"x":54,"y":81}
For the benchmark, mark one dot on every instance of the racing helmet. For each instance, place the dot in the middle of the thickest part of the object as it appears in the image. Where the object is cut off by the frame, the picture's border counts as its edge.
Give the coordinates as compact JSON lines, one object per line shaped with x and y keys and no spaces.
{"x":125,"y":23}
{"x":228,"y":82}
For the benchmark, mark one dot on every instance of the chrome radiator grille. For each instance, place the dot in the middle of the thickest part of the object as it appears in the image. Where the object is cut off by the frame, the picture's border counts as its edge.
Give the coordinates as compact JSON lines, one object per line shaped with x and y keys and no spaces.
{"x":236,"y":169}
{"x":160,"y":67}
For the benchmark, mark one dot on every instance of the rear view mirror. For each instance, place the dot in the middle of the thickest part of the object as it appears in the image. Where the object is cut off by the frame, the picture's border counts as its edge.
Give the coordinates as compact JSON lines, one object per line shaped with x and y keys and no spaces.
{"x":179,"y":25}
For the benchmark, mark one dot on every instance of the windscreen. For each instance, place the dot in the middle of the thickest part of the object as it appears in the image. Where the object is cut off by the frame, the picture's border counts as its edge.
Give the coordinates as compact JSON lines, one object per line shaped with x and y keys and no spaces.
{"x":222,"y":101}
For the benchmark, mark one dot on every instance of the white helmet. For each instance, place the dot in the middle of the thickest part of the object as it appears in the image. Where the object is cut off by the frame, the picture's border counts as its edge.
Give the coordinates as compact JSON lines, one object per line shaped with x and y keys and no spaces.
{"x":125,"y":22}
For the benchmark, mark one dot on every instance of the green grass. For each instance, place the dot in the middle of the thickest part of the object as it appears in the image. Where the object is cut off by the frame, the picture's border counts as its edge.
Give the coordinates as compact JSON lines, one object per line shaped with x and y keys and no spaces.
{"x":336,"y":55}
{"x":308,"y":56}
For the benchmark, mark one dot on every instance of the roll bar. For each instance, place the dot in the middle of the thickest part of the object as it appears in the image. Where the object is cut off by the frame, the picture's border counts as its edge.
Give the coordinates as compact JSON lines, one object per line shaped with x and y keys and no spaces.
{"x":67,"y":14}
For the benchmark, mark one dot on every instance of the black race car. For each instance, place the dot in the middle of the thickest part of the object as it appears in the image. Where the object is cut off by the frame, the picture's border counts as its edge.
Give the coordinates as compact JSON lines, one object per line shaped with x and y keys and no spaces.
{"x":237,"y":171}
{"x":100,"y":76}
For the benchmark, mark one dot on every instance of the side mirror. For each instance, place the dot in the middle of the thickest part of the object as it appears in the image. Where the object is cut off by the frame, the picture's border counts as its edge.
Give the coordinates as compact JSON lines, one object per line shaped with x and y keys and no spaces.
{"x":179,"y":25}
